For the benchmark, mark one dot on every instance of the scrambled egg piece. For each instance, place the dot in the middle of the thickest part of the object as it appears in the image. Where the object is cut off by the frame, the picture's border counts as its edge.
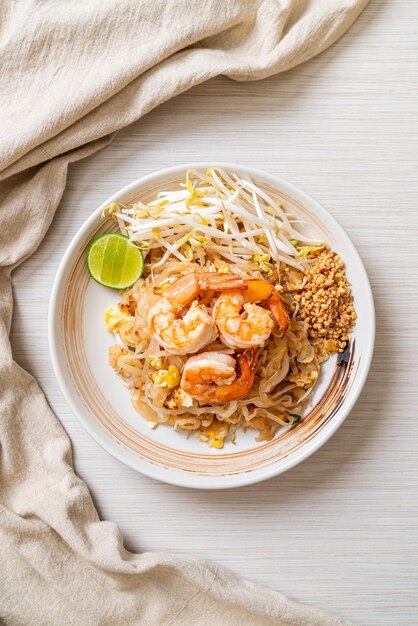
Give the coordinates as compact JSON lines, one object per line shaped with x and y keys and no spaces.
{"x":165,"y":284}
{"x":178,"y":399}
{"x":216,"y":433}
{"x":167,"y":378}
{"x":114,"y":318}
{"x":303,"y":378}
{"x":156,"y":362}
{"x":331,"y":346}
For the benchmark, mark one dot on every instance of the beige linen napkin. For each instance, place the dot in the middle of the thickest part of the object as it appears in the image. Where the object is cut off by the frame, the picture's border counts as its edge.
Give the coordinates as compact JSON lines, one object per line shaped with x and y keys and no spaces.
{"x":71,"y":74}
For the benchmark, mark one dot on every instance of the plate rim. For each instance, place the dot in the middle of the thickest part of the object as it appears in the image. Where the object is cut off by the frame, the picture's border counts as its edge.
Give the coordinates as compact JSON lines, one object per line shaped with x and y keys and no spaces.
{"x":177,"y":477}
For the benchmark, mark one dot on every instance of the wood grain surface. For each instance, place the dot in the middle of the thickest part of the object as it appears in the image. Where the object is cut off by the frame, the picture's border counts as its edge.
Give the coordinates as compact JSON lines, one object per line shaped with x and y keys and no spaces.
{"x":339,"y":531}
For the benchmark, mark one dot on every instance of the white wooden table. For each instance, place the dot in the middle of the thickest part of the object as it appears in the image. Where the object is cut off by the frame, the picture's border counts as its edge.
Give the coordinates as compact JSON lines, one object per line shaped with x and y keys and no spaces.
{"x":340,"y":530}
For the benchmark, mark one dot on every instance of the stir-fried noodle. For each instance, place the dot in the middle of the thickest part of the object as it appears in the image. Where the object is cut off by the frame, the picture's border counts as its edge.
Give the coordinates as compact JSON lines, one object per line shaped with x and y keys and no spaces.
{"x":219,"y":223}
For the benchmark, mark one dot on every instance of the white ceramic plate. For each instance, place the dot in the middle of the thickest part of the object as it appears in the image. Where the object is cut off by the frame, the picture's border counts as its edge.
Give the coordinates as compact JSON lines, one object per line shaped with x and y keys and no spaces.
{"x":79,"y":343}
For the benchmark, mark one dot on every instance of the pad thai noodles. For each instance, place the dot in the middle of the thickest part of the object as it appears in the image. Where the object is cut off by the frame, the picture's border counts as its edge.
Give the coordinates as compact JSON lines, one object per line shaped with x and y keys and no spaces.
{"x":234,"y":314}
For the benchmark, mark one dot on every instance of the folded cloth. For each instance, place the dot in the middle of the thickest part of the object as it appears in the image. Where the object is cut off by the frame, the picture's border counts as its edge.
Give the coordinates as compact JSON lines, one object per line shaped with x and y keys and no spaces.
{"x":72,"y":74}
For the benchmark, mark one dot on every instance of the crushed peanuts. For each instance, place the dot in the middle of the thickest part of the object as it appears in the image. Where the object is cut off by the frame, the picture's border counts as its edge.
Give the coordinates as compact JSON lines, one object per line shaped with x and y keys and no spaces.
{"x":325,"y":302}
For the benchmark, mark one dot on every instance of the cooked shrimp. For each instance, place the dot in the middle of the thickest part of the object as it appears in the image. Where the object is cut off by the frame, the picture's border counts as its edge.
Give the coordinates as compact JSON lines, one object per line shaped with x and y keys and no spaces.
{"x":211,"y":377}
{"x":244,"y":324}
{"x":196,"y":328}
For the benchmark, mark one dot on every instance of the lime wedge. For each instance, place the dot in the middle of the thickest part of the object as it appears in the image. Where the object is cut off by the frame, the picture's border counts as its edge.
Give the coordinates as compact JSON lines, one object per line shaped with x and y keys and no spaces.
{"x":113,"y":261}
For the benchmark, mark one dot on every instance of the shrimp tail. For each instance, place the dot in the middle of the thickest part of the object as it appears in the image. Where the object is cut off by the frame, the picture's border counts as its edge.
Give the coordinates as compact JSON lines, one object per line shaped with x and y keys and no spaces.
{"x":245,"y":367}
{"x":278,"y":311}
{"x":243,"y":384}
{"x":239,"y":388}
{"x":263,"y":291}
